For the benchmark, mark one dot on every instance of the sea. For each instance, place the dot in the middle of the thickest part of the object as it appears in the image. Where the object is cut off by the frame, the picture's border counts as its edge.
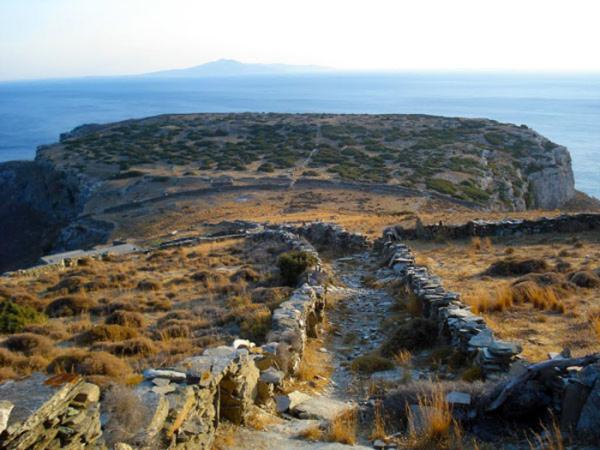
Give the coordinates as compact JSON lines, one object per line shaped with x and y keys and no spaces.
{"x":563,"y":107}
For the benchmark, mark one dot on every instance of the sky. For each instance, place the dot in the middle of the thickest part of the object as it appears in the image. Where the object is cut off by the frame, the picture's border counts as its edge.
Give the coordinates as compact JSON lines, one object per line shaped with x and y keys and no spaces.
{"x":69,"y":38}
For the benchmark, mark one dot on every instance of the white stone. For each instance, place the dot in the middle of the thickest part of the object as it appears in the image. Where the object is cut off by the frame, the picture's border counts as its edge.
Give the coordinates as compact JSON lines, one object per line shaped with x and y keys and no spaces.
{"x":5,"y":408}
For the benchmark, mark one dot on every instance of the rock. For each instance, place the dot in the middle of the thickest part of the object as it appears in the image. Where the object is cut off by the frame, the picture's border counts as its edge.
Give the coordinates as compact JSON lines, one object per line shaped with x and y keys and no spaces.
{"x":165,"y":389}
{"x":574,"y":398}
{"x":160,"y":381}
{"x":243,"y":343}
{"x":320,"y":408}
{"x":122,"y":446}
{"x":458,"y":398}
{"x":272,"y":375}
{"x":5,"y":408}
{"x":290,"y":401}
{"x":172,"y":375}
{"x":590,"y":414}
{"x":88,"y":393}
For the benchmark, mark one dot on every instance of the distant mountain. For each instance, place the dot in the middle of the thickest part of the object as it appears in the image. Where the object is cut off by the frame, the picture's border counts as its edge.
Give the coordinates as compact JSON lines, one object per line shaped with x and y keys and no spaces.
{"x":230,"y":67}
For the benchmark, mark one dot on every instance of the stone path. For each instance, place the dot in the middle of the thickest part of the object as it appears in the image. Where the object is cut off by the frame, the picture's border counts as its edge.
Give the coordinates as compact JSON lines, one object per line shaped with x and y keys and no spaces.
{"x":356,"y":318}
{"x":356,"y":322}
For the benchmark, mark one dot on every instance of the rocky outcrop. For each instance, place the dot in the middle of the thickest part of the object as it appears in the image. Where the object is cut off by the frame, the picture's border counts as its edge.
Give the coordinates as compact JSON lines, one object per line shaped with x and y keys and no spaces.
{"x":38,"y":213}
{"x":41,"y":412}
{"x":553,"y":185}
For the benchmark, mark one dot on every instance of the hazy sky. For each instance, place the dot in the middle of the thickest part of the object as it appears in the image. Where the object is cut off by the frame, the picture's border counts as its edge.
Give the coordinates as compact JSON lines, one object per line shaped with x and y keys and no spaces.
{"x":56,"y":38}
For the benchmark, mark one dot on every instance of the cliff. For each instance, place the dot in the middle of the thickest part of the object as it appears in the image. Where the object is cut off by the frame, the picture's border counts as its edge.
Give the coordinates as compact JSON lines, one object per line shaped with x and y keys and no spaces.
{"x":40,"y":203}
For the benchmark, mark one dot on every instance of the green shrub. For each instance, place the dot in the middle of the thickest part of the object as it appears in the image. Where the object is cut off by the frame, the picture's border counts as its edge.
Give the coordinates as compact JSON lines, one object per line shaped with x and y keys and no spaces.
{"x":14,"y":318}
{"x":266,"y":167}
{"x":443,"y":186}
{"x":293,"y":264}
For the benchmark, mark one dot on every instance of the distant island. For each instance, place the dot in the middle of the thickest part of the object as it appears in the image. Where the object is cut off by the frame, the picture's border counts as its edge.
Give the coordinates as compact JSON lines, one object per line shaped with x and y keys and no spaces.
{"x":230,"y":67}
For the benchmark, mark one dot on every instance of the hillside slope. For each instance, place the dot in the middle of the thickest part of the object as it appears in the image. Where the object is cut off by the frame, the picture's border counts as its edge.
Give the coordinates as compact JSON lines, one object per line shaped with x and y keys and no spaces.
{"x":499,"y":166}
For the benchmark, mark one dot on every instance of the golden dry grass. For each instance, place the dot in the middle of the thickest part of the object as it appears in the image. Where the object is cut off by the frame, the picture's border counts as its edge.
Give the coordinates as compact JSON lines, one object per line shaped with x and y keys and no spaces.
{"x":542,"y":318}
{"x":432,"y":427}
{"x":343,"y":428}
{"x":144,"y":309}
{"x":315,"y":368}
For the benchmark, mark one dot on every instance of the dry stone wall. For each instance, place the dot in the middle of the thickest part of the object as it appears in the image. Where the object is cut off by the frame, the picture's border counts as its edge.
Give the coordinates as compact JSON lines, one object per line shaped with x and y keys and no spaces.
{"x":508,"y":227}
{"x":464,"y":330}
{"x":330,"y":236}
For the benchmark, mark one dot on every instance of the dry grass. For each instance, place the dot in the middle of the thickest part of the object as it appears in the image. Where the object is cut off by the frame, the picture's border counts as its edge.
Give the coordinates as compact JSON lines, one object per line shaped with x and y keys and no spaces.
{"x":431,"y":426}
{"x":378,"y":429}
{"x":145,"y":309}
{"x":125,"y":414}
{"x":343,"y":428}
{"x":544,"y":312}
{"x":315,"y":367}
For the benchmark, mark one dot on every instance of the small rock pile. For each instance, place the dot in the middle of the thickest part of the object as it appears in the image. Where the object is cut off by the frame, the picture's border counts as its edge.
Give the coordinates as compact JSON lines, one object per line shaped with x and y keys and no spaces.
{"x":465,"y":331}
{"x":566,"y":223}
{"x":41,"y":412}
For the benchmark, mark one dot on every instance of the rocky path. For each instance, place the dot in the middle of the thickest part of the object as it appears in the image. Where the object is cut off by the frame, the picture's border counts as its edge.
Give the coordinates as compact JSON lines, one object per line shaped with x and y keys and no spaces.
{"x":355,"y":317}
{"x":356,"y":321}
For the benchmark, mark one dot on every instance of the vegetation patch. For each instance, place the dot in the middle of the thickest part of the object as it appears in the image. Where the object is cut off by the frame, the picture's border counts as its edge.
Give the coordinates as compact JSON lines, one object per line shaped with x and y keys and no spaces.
{"x":293,"y":264}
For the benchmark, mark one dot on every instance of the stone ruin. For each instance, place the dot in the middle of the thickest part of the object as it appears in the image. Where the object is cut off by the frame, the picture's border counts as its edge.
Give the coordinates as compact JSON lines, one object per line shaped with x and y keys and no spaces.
{"x":508,"y":227}
{"x":185,"y":402}
{"x":463,"y":330}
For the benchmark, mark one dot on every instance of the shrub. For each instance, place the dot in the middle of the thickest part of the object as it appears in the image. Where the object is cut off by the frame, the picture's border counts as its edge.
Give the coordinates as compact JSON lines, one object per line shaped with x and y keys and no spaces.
{"x":256,"y":324}
{"x":585,"y":279}
{"x":28,"y":343}
{"x":69,"y":306}
{"x":293,"y":264}
{"x":148,"y":285}
{"x":90,"y":363}
{"x":367,"y":364}
{"x":14,"y":317}
{"x":417,"y":334}
{"x":440,"y":185}
{"x":140,"y":346}
{"x":69,"y":284}
{"x":516,"y":266}
{"x":110,"y":333}
{"x":126,"y":319}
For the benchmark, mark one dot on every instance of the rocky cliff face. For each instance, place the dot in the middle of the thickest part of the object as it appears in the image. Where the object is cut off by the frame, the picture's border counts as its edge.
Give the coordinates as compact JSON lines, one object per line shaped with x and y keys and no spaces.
{"x":553,"y":185}
{"x":38,"y":203}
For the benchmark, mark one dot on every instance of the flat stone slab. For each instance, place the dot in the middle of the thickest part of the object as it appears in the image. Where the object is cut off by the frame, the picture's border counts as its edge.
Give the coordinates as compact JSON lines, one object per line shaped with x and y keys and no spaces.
{"x":458,"y":398}
{"x":246,"y":439}
{"x":320,"y":408}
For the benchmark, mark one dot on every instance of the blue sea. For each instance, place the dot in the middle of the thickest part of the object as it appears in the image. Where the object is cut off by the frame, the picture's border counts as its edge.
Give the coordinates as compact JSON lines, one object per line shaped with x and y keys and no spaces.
{"x":565,"y":108}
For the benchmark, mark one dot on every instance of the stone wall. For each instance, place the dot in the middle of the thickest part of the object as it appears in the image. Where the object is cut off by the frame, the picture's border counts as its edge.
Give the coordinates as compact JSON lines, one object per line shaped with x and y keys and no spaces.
{"x":184,"y":403}
{"x":508,"y":227}
{"x":330,"y":236}
{"x":464,"y":330}
{"x":41,"y":412}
